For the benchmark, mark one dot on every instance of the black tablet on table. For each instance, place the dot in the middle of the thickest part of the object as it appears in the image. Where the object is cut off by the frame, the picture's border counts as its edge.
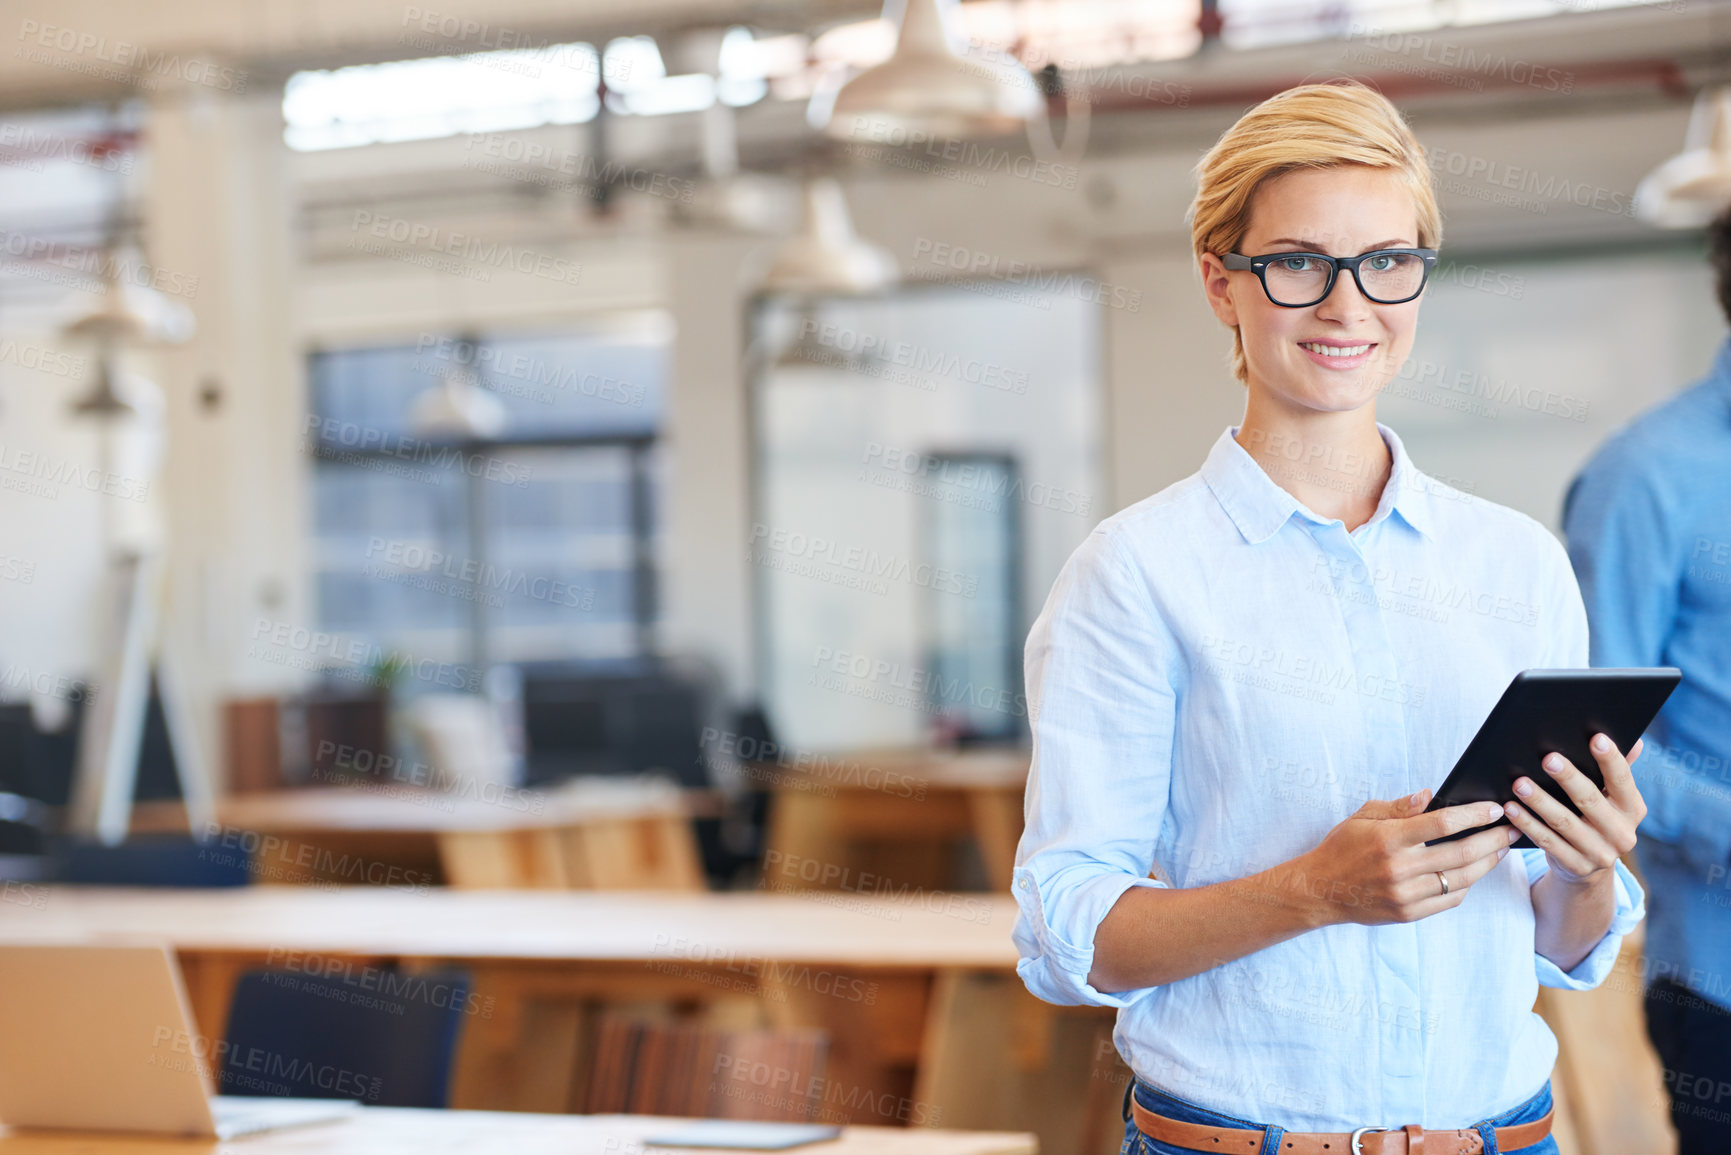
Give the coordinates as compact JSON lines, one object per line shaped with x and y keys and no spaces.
{"x":1552,"y":710}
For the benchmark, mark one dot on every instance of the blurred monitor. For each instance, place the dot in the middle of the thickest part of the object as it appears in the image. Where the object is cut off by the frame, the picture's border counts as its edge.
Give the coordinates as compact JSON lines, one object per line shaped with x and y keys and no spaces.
{"x":622,"y":718}
{"x":37,"y":763}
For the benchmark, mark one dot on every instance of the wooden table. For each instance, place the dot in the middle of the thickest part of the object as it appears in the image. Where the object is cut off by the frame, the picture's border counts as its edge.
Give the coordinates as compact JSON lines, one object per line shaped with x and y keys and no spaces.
{"x":394,"y":1131}
{"x":925,"y":1015}
{"x":605,"y":834}
{"x":895,"y":814}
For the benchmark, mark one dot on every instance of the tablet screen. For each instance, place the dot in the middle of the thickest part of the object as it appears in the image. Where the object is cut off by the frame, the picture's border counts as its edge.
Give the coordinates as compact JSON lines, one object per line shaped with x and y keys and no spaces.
{"x":1552,"y":710}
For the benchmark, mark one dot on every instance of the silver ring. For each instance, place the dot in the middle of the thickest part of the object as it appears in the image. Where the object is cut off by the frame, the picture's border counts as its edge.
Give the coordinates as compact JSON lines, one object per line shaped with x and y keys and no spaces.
{"x":1444,"y":879}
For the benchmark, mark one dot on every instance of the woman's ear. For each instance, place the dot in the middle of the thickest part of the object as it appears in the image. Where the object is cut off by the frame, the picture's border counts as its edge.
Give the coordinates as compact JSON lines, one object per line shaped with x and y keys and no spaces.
{"x":1217,"y":287}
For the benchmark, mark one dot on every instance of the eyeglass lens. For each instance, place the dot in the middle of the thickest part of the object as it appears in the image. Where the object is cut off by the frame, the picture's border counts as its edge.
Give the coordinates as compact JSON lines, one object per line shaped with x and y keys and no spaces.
{"x":1299,"y":280}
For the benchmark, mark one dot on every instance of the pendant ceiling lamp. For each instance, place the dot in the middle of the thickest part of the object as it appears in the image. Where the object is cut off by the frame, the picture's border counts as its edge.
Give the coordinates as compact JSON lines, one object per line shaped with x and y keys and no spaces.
{"x":1694,"y":186}
{"x":126,"y":316}
{"x":112,"y":326}
{"x":827,"y":256}
{"x":934,"y":84}
{"x":458,"y":408}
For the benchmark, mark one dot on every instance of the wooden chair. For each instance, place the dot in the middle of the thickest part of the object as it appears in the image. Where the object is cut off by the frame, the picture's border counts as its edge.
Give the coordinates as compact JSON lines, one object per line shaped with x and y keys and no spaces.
{"x":670,"y":1068}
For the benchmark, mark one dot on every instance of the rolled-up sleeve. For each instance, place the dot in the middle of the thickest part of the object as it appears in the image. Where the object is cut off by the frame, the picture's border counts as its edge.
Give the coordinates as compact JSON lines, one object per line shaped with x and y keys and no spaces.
{"x":1590,"y":971}
{"x":1568,"y":649}
{"x":1100,"y":678}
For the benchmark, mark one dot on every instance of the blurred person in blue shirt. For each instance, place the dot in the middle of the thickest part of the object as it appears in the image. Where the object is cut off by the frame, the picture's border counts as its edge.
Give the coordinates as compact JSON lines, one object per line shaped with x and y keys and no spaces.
{"x":1649,"y":528}
{"x":1244,"y":689}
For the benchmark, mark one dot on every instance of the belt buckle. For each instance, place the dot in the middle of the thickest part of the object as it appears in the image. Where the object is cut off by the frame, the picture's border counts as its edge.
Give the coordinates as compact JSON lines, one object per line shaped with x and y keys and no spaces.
{"x":1356,"y":1135}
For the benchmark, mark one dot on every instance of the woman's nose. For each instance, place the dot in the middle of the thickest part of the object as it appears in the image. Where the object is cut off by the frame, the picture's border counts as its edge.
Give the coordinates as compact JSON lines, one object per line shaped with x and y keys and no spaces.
{"x":1344,"y":299}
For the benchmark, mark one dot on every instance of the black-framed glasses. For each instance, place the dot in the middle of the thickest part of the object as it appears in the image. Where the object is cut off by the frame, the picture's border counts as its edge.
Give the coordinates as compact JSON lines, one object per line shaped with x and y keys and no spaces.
{"x":1297,"y":280}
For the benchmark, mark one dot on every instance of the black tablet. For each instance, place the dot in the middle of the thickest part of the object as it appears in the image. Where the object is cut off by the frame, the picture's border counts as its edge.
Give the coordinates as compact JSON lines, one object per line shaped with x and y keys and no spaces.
{"x":1546,"y":710}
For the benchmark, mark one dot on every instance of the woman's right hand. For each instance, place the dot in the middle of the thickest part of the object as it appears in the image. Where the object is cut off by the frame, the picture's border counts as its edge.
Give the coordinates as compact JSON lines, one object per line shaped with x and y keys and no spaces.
{"x":1374,"y":867}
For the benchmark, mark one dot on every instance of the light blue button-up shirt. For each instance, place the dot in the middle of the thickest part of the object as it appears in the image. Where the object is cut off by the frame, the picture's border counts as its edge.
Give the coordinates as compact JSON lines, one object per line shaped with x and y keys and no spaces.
{"x":1649,"y":527}
{"x":1218,"y":677}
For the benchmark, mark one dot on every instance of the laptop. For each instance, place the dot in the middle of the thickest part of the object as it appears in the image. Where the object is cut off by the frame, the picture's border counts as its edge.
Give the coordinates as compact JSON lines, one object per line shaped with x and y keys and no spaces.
{"x":99,"y":1038}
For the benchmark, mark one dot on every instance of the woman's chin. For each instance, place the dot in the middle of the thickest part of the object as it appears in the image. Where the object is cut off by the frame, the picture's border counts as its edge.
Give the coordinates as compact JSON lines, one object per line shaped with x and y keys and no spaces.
{"x":1355,"y":389}
{"x":1339,"y":396}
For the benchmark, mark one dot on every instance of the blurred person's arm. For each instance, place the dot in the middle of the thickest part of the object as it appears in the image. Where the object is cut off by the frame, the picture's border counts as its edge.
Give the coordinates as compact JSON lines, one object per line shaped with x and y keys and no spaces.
{"x":1629,"y":556}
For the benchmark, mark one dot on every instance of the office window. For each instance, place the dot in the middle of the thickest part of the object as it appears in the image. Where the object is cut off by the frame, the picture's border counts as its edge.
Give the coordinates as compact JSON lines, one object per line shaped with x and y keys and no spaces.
{"x":1253,"y":24}
{"x":534,"y":542}
{"x":976,"y":638}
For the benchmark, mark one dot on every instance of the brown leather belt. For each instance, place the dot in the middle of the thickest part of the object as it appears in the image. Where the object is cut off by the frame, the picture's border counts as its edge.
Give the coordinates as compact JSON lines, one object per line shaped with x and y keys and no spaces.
{"x":1409,"y":1140}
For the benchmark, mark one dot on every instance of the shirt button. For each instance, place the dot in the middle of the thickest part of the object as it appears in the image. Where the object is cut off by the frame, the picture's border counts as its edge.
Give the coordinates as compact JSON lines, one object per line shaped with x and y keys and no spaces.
{"x":1023,"y":883}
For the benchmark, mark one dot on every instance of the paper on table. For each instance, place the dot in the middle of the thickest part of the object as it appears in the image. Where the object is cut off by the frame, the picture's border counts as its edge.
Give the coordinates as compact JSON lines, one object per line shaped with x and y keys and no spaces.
{"x":744,"y":1135}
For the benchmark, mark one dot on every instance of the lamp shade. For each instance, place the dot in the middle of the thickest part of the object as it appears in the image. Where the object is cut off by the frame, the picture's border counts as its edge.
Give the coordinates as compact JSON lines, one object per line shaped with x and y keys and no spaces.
{"x":826,"y":256}
{"x":106,"y":398}
{"x":457,"y":407}
{"x":127,"y":314}
{"x":1694,"y":186}
{"x":124,"y":316}
{"x":929,"y":85}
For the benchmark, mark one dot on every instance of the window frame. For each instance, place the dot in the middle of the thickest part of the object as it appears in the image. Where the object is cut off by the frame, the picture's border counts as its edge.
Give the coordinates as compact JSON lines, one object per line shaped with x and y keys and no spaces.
{"x":638,"y":446}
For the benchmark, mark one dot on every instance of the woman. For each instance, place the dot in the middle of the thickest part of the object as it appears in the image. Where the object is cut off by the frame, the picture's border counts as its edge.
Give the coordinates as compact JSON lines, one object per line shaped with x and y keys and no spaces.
{"x":1247,"y":684}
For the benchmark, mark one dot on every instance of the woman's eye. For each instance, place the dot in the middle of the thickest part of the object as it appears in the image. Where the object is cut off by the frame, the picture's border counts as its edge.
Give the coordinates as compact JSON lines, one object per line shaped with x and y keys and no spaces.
{"x":1297,"y":264}
{"x":1383,"y":263}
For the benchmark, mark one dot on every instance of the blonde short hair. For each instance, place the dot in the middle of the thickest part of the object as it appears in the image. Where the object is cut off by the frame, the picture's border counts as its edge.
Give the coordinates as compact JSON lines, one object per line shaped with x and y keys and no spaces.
{"x":1311,"y":126}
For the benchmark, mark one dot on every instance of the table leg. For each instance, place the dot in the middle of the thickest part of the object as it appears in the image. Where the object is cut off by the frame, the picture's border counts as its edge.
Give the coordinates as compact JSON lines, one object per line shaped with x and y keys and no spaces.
{"x":484,"y":1075}
{"x":997,"y":1058}
{"x":480,"y":859}
{"x":542,"y":856}
{"x":210,"y":980}
{"x":874,"y":1021}
{"x":802,"y":825}
{"x":655,"y":852}
{"x":997,"y":819}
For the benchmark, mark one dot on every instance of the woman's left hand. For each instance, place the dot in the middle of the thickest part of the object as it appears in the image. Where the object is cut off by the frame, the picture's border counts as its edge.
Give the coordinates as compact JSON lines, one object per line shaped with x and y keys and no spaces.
{"x":1580,"y":849}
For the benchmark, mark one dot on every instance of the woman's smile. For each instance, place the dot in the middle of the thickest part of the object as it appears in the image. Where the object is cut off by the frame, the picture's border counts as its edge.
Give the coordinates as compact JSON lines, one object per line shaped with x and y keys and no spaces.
{"x":1334,"y":353}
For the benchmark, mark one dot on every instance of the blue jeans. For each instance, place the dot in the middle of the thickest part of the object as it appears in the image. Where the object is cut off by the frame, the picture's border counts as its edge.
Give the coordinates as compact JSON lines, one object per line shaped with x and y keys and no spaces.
{"x":1136,"y":1143}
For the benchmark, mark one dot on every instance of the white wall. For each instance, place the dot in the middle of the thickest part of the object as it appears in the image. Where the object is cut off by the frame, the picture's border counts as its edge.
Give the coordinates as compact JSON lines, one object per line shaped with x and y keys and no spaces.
{"x":51,"y":551}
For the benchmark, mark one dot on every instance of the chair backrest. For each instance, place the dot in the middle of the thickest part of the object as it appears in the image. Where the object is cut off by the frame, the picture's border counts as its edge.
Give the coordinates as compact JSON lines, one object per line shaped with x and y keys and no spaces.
{"x":669,"y":1068}
{"x":381,"y":1036}
{"x":153,"y":860}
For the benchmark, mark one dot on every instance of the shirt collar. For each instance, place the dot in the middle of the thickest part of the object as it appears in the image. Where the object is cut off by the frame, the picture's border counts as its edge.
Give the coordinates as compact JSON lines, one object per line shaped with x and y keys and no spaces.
{"x":1258,"y":506}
